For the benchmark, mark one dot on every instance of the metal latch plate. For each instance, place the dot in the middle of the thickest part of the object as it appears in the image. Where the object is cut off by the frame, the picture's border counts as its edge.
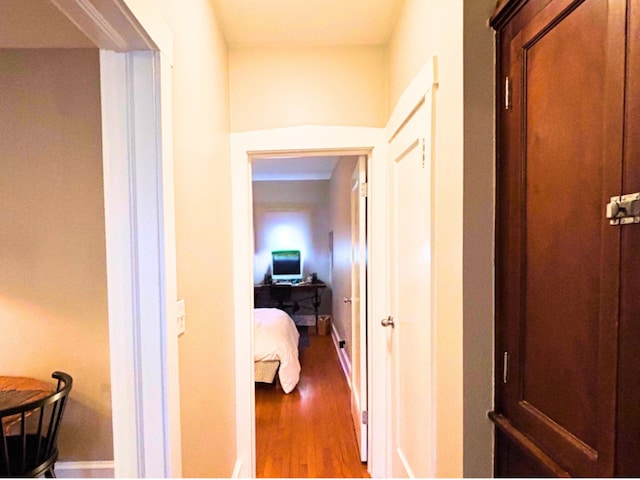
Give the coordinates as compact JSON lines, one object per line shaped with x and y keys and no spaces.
{"x":624,"y":209}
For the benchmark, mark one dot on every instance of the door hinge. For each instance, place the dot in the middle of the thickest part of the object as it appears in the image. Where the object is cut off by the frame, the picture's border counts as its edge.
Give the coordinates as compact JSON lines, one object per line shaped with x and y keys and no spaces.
{"x":365,"y":417}
{"x":364,"y":189}
{"x":507,"y":93}
{"x":423,"y":141}
{"x":505,"y":367}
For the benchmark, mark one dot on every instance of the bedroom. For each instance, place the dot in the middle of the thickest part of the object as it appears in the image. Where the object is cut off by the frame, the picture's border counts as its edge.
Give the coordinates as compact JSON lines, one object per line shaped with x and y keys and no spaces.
{"x":304,"y":204}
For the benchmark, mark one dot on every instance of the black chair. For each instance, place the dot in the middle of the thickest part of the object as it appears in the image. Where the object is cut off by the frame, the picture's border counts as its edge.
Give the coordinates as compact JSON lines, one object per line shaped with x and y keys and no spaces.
{"x":34,"y":450}
{"x":282,"y":295}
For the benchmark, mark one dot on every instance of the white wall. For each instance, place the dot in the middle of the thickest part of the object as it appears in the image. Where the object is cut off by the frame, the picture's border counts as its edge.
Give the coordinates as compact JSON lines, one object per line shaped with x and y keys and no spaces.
{"x":308,"y":200}
{"x":341,"y":226}
{"x":203,"y":234}
{"x":281,"y":87}
{"x":427,"y":28}
{"x":200,"y":114}
{"x":456,"y":32}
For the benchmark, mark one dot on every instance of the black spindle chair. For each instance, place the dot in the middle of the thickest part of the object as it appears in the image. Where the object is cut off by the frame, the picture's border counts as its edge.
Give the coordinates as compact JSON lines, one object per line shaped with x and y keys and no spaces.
{"x":33,"y":451}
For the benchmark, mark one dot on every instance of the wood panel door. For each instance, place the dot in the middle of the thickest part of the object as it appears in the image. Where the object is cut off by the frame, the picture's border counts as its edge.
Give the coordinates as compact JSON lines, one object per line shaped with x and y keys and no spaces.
{"x":563,"y":67}
{"x":628,"y":399}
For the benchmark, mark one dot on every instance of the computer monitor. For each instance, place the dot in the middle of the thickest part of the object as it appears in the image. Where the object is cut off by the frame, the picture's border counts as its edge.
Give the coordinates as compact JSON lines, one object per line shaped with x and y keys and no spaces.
{"x":286,"y":265}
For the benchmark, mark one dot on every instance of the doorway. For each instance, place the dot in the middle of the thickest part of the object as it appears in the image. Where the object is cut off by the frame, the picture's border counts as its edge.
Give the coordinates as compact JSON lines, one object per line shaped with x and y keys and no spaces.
{"x":246,"y":146}
{"x":306,"y":203}
{"x":131,"y":74}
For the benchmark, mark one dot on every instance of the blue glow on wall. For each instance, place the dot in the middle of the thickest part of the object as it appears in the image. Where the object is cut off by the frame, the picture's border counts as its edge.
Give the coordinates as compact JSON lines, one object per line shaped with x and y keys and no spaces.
{"x":281,"y":230}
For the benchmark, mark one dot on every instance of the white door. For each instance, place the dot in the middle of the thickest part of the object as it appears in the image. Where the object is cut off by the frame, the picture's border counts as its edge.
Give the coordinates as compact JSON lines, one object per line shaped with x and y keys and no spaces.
{"x":409,"y":325}
{"x":359,"y":304}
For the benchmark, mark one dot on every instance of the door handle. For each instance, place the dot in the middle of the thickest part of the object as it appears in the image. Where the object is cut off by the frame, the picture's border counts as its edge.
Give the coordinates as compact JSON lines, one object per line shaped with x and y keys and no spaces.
{"x":387,"y":322}
{"x":346,"y":300}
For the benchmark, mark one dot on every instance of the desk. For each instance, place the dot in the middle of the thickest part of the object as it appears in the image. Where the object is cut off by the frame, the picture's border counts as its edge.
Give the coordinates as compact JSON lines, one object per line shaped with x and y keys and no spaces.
{"x":16,"y":391}
{"x":303,"y":292}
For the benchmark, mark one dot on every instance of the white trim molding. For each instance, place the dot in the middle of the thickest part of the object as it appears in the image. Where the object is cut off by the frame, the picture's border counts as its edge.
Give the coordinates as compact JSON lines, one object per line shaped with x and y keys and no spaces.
{"x":110,"y":27}
{"x":237,"y":469}
{"x":343,"y":358}
{"x":139,"y":332}
{"x":102,"y":469}
{"x":136,"y":56}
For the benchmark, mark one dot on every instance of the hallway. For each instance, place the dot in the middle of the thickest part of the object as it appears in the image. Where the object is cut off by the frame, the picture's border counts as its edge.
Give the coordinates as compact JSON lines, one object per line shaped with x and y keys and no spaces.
{"x":308,"y":433}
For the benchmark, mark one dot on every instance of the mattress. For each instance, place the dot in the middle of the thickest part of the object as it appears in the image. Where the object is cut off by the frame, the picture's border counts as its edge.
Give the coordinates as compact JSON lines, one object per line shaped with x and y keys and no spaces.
{"x":276,"y":339}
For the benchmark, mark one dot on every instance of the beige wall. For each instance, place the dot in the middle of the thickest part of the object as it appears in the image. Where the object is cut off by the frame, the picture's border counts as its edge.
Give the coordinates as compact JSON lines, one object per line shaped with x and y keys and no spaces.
{"x":340,"y":224}
{"x":282,"y":87}
{"x":53,"y":292}
{"x":456,"y":32}
{"x":204,"y":243}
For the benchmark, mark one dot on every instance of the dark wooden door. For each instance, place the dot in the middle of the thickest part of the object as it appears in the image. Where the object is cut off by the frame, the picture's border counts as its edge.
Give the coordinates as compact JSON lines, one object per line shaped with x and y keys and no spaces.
{"x":566,"y":279}
{"x":628,"y":401}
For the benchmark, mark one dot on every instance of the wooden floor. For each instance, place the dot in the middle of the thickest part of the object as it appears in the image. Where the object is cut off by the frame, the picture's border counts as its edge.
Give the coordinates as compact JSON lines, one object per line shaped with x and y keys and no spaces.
{"x":308,"y":433}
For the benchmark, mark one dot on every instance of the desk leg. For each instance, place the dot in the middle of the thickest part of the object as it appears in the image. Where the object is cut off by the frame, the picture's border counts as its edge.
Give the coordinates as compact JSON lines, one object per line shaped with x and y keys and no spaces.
{"x":316,"y":304}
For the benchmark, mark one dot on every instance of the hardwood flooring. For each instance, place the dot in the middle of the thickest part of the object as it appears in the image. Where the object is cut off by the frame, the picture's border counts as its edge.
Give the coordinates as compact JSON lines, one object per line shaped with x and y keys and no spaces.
{"x":308,"y":433}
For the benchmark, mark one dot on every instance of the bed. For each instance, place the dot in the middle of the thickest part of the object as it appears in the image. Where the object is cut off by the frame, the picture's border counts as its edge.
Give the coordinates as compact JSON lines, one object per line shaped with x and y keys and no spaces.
{"x":276,"y":348}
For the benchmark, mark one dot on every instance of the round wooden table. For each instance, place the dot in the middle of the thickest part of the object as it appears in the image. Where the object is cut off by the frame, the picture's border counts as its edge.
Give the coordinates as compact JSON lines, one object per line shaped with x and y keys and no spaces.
{"x":16,"y":391}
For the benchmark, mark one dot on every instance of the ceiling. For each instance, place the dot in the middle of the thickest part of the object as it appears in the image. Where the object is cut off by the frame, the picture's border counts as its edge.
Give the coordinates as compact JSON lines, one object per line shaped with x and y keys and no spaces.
{"x":252,"y":23}
{"x":293,"y":168}
{"x":245,"y":23}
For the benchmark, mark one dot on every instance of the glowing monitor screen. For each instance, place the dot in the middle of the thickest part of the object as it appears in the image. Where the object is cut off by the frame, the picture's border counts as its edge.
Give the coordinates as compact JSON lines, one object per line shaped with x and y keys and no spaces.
{"x":286,"y":264}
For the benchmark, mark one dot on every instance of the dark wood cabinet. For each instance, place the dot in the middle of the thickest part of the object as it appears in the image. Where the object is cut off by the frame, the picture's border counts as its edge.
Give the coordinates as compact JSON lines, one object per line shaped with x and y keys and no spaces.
{"x":567,"y":304}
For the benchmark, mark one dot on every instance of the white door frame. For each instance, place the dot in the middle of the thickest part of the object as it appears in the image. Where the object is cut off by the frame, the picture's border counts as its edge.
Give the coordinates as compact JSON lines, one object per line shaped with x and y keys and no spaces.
{"x":329,"y":139}
{"x":140,"y":233}
{"x":141,"y":275}
{"x":358,"y":372}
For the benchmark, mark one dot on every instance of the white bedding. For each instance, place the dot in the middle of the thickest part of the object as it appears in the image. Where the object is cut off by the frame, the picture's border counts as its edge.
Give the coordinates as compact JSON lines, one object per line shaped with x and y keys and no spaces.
{"x":276,"y":338}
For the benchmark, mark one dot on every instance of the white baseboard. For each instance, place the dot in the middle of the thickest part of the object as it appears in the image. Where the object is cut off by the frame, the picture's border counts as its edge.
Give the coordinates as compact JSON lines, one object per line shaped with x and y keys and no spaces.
{"x":237,"y":469}
{"x":92,"y":469}
{"x":345,"y":363}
